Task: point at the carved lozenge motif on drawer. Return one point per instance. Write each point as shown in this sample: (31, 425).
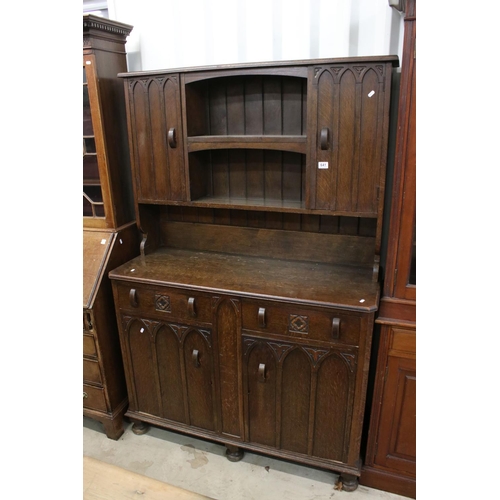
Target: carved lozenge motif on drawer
(308, 323)
(174, 303)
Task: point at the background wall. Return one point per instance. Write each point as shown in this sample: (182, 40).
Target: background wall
(173, 33)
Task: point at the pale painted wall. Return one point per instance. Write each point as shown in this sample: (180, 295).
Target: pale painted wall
(180, 33)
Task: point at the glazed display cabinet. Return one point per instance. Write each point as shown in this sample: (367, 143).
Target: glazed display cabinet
(390, 462)
(109, 229)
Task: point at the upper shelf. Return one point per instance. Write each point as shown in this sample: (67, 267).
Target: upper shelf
(293, 143)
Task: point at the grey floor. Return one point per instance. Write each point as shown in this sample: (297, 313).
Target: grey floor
(200, 466)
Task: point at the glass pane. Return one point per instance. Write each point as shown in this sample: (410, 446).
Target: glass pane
(88, 145)
(87, 118)
(92, 201)
(84, 75)
(413, 264)
(90, 169)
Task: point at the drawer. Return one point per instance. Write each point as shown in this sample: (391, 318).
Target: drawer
(93, 397)
(91, 371)
(89, 348)
(174, 303)
(301, 322)
(403, 342)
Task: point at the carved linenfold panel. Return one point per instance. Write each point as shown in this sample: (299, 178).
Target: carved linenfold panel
(162, 303)
(315, 354)
(298, 324)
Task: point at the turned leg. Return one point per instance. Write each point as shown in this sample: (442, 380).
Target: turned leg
(139, 427)
(113, 428)
(233, 453)
(349, 482)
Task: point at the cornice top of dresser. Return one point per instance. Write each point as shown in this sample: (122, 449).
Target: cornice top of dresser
(267, 64)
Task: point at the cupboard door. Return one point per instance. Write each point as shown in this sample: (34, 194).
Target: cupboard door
(299, 398)
(396, 448)
(155, 127)
(350, 109)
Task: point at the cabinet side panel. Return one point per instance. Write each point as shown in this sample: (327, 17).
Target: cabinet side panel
(229, 369)
(169, 374)
(332, 395)
(295, 400)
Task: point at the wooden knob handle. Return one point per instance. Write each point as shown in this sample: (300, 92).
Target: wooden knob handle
(172, 139)
(336, 328)
(262, 372)
(262, 317)
(191, 307)
(196, 358)
(133, 298)
(324, 138)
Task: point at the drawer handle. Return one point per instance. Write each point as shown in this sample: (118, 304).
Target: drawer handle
(262, 317)
(133, 297)
(196, 358)
(262, 372)
(336, 328)
(172, 138)
(85, 395)
(191, 307)
(324, 138)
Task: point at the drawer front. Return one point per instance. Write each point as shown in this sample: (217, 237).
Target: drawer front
(89, 348)
(164, 300)
(93, 398)
(91, 372)
(328, 325)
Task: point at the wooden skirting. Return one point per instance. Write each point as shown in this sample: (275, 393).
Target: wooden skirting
(102, 481)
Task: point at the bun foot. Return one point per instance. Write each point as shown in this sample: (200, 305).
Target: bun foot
(349, 482)
(233, 453)
(140, 428)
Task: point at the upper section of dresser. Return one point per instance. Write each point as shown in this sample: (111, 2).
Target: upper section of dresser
(299, 138)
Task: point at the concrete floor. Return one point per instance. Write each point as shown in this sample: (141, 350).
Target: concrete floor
(200, 466)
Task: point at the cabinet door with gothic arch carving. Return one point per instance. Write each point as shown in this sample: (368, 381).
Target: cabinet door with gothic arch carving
(299, 398)
(349, 144)
(170, 372)
(156, 138)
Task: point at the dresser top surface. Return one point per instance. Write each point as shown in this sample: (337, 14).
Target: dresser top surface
(293, 281)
